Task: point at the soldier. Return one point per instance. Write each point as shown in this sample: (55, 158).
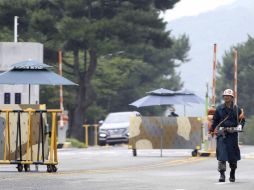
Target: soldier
(228, 120)
(172, 112)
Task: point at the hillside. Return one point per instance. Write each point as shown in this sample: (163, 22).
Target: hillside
(226, 26)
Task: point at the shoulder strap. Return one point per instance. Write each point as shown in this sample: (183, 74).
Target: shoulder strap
(237, 114)
(222, 121)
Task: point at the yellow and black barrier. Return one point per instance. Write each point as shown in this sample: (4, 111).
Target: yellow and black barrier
(31, 138)
(95, 133)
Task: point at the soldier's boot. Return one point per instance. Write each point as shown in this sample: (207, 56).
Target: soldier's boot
(222, 169)
(222, 176)
(233, 166)
(232, 175)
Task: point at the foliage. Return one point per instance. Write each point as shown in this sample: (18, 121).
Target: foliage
(245, 74)
(247, 136)
(142, 54)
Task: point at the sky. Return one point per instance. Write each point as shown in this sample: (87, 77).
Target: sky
(186, 8)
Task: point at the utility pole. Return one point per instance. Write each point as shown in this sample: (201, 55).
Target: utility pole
(16, 29)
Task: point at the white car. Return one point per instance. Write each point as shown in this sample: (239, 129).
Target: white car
(115, 128)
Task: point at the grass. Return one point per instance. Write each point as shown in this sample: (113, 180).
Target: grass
(76, 143)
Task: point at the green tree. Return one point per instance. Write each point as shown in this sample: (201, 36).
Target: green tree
(245, 73)
(86, 31)
(120, 80)
(247, 136)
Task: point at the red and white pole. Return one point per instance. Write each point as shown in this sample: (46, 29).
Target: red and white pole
(61, 87)
(214, 73)
(235, 75)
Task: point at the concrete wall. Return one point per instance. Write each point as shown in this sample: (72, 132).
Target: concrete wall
(10, 53)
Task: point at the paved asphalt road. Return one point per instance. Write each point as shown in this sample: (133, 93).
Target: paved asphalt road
(114, 168)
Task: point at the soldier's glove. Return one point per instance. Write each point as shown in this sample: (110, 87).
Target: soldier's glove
(210, 133)
(239, 127)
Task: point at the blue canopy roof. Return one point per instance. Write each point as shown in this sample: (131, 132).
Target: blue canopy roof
(33, 73)
(167, 97)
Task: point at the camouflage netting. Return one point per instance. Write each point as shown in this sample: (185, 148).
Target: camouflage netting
(176, 132)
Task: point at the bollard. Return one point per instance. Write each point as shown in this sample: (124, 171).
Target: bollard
(96, 134)
(86, 134)
(95, 126)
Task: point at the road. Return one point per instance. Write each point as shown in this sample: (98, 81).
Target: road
(111, 168)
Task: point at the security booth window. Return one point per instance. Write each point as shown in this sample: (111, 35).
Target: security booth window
(17, 98)
(7, 98)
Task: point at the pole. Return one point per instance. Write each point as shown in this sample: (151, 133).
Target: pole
(204, 128)
(235, 75)
(61, 88)
(161, 143)
(95, 134)
(235, 84)
(29, 92)
(206, 100)
(86, 135)
(16, 28)
(214, 73)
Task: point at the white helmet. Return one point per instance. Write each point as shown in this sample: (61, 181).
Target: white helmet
(228, 92)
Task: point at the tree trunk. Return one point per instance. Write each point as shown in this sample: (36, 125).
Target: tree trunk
(77, 125)
(85, 95)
